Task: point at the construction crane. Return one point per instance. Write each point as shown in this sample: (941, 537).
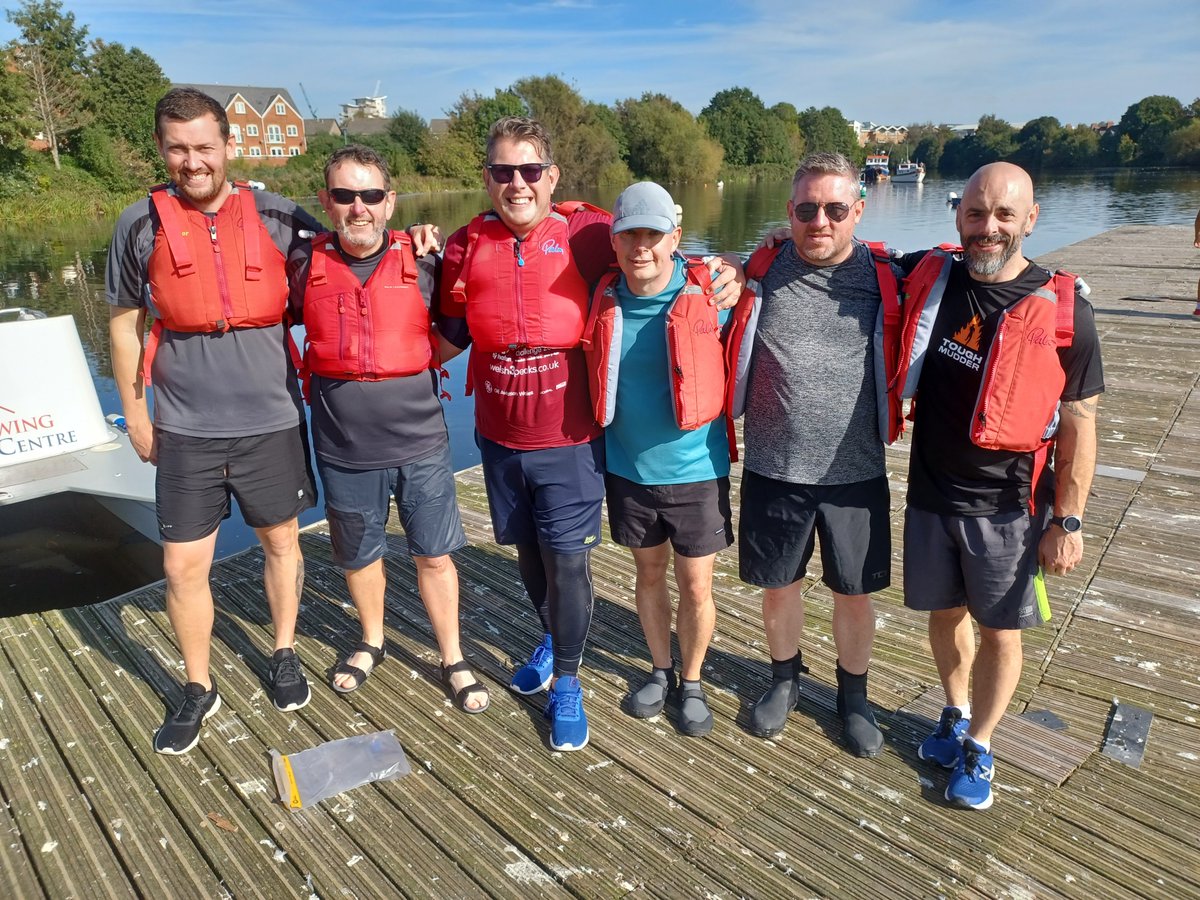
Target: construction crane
(311, 109)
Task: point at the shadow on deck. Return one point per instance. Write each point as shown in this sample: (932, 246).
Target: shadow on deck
(89, 809)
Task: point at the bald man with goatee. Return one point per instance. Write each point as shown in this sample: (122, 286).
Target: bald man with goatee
(987, 517)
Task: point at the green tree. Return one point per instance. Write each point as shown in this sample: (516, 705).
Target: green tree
(552, 102)
(733, 117)
(789, 118)
(15, 125)
(408, 130)
(1147, 124)
(826, 130)
(50, 51)
(1183, 145)
(607, 118)
(470, 120)
(1076, 147)
(666, 143)
(122, 88)
(1034, 142)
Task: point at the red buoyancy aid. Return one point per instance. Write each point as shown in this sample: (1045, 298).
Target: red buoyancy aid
(695, 355)
(365, 332)
(212, 273)
(745, 323)
(1017, 406)
(520, 298)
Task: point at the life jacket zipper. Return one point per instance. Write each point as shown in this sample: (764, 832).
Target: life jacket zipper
(519, 298)
(222, 283)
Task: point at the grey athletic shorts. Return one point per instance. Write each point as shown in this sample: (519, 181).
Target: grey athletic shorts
(780, 522)
(987, 563)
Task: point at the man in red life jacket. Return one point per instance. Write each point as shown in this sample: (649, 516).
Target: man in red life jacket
(377, 423)
(981, 526)
(207, 258)
(814, 462)
(656, 360)
(515, 282)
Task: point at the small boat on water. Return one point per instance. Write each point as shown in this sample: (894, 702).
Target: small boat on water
(876, 168)
(71, 484)
(909, 173)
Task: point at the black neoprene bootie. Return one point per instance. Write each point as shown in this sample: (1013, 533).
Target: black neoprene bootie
(859, 731)
(770, 713)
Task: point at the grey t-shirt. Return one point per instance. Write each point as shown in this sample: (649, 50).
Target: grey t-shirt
(373, 424)
(810, 404)
(213, 384)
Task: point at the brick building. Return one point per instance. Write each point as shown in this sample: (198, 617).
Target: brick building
(264, 121)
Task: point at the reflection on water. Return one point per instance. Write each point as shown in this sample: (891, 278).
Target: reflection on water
(61, 269)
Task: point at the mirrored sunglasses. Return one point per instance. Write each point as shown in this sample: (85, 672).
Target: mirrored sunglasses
(835, 212)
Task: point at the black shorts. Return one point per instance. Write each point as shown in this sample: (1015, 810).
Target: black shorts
(695, 517)
(552, 497)
(356, 504)
(269, 474)
(780, 522)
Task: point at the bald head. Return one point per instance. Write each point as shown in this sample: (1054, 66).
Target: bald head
(996, 214)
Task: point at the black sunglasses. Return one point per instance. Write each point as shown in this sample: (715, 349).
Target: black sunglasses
(531, 173)
(345, 196)
(806, 212)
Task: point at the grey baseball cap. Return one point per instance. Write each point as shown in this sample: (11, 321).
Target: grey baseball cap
(644, 205)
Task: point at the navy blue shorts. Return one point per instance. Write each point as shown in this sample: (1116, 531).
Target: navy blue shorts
(780, 522)
(269, 474)
(357, 506)
(552, 497)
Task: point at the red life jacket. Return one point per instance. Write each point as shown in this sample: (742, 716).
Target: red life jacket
(745, 322)
(1017, 407)
(212, 273)
(365, 332)
(519, 298)
(695, 354)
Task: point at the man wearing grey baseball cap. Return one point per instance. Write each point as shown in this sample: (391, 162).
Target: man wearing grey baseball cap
(666, 452)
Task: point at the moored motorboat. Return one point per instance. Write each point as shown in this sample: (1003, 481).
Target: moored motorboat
(909, 173)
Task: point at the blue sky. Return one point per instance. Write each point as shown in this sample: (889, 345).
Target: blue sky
(933, 60)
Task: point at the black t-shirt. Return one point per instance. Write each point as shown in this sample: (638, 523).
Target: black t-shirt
(949, 474)
(373, 424)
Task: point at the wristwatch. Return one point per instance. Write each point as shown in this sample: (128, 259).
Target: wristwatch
(1069, 524)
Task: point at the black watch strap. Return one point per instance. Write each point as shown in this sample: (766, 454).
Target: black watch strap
(1069, 524)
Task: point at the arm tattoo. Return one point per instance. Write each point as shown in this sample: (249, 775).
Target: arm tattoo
(1081, 409)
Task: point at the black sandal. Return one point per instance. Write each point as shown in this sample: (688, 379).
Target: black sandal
(459, 698)
(378, 655)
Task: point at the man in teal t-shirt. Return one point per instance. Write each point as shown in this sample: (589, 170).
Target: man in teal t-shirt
(668, 488)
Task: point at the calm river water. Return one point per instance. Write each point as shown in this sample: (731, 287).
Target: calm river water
(61, 269)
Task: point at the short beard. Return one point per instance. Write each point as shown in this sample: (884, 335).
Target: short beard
(990, 264)
(359, 240)
(216, 185)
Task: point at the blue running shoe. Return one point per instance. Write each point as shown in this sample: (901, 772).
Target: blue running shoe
(942, 747)
(568, 721)
(971, 782)
(534, 677)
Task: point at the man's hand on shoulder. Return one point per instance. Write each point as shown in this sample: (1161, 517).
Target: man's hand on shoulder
(426, 238)
(728, 280)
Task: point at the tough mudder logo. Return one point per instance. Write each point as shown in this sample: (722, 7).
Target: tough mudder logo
(963, 347)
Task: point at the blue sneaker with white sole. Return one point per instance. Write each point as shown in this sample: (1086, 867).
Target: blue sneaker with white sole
(943, 746)
(568, 721)
(971, 781)
(534, 677)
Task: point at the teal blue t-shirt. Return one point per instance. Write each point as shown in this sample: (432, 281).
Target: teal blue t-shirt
(643, 444)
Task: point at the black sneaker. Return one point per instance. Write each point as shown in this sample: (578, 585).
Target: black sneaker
(180, 731)
(288, 685)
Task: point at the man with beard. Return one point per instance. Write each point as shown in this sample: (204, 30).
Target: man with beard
(207, 259)
(984, 522)
(377, 424)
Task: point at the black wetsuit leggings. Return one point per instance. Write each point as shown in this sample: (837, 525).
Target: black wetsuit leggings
(560, 586)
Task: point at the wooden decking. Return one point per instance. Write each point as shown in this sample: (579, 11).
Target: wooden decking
(87, 809)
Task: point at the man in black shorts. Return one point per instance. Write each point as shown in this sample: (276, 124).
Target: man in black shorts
(667, 486)
(814, 461)
(984, 522)
(207, 258)
(378, 428)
